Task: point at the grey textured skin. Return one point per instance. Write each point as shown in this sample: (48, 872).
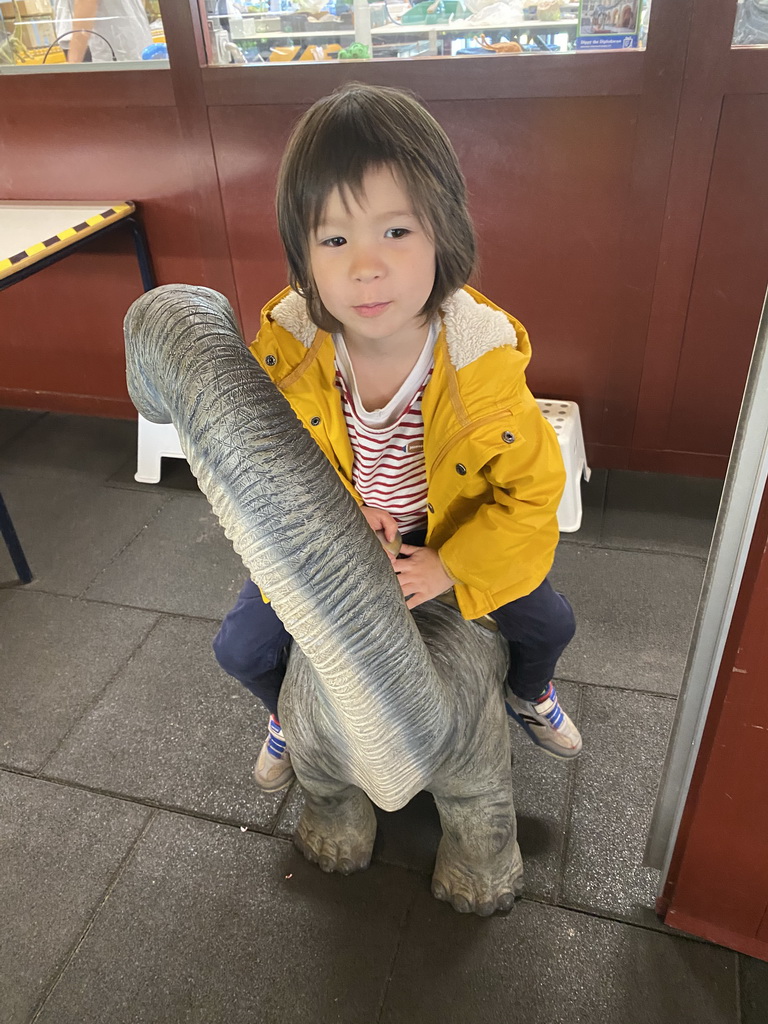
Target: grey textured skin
(378, 703)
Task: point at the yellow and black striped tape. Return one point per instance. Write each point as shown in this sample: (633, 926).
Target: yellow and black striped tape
(39, 250)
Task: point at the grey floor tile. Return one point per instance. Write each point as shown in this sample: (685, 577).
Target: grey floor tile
(625, 737)
(14, 421)
(592, 501)
(61, 849)
(660, 512)
(71, 528)
(754, 990)
(180, 563)
(544, 965)
(211, 925)
(60, 444)
(542, 791)
(174, 730)
(56, 655)
(634, 614)
(409, 838)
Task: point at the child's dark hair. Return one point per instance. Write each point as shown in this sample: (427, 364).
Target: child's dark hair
(340, 138)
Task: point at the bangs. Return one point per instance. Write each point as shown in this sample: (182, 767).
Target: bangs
(346, 142)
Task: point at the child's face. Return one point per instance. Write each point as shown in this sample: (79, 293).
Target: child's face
(374, 263)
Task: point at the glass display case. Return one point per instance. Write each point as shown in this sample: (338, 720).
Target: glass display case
(262, 31)
(65, 32)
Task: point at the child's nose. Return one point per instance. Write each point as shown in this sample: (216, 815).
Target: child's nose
(367, 265)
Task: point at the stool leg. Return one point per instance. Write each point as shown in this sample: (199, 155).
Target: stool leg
(15, 550)
(148, 458)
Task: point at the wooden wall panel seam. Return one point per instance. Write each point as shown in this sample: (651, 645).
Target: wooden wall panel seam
(696, 131)
(481, 78)
(644, 218)
(183, 32)
(149, 87)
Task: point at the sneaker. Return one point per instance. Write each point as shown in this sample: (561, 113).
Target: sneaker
(546, 723)
(273, 769)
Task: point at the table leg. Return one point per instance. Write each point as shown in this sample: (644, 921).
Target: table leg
(15, 550)
(142, 253)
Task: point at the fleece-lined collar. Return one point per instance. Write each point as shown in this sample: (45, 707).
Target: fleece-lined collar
(471, 327)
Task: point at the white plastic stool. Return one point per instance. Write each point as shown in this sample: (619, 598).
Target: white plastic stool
(156, 441)
(564, 417)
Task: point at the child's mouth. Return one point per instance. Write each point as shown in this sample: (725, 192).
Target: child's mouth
(372, 309)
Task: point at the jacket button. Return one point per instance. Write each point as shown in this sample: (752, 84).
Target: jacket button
(429, 508)
(315, 421)
(270, 360)
(508, 437)
(461, 469)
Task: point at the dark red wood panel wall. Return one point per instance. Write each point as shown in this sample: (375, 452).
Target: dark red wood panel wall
(612, 195)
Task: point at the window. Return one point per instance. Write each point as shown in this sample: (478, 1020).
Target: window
(59, 32)
(751, 25)
(262, 31)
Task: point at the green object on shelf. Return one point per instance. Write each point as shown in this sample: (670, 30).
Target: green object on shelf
(431, 12)
(355, 51)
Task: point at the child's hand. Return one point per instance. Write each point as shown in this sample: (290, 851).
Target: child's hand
(379, 520)
(421, 575)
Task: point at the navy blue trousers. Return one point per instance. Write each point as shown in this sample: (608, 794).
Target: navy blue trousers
(252, 644)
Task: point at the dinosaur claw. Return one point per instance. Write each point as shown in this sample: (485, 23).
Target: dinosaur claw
(438, 891)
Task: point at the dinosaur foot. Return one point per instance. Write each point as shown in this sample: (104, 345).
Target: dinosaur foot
(339, 853)
(479, 890)
(337, 833)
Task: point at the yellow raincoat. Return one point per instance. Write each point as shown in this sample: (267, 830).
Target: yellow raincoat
(494, 470)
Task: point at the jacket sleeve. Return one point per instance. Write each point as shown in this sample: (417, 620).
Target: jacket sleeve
(513, 534)
(350, 487)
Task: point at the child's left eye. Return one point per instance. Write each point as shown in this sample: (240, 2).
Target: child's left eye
(397, 233)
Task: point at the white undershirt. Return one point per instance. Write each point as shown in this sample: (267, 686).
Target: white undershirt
(394, 408)
(388, 443)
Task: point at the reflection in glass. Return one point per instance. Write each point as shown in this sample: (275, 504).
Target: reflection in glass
(80, 31)
(751, 26)
(263, 31)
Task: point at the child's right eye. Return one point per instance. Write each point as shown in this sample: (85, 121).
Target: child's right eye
(333, 243)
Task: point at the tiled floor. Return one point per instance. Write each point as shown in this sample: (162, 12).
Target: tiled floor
(143, 878)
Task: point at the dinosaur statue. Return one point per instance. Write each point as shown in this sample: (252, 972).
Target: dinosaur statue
(378, 702)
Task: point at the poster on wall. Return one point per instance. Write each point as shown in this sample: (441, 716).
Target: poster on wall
(608, 24)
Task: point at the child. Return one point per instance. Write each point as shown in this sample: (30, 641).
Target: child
(413, 386)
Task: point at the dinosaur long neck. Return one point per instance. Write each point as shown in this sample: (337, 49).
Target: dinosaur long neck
(299, 533)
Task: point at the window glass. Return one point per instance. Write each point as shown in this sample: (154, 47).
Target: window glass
(261, 31)
(751, 26)
(58, 32)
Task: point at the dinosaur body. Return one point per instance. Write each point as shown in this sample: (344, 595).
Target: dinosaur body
(378, 703)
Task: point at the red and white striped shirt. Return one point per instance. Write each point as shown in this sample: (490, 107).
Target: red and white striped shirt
(388, 470)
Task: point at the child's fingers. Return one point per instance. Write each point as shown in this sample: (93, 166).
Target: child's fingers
(391, 530)
(408, 549)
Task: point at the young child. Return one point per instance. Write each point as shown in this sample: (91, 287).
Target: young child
(413, 386)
